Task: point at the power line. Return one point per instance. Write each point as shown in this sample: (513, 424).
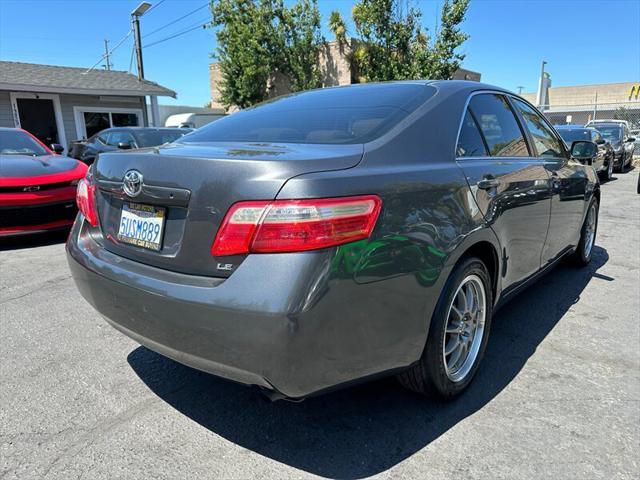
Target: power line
(133, 50)
(176, 20)
(109, 52)
(155, 6)
(177, 34)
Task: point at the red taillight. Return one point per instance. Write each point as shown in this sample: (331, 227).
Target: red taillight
(86, 200)
(295, 225)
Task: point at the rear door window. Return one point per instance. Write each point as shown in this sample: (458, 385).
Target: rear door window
(544, 140)
(470, 142)
(499, 126)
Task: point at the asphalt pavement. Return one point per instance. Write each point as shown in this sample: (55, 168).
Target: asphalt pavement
(557, 396)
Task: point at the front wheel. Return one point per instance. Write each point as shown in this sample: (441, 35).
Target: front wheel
(609, 171)
(623, 163)
(584, 251)
(458, 334)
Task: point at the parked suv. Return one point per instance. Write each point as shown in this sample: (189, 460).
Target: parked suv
(333, 235)
(621, 140)
(603, 161)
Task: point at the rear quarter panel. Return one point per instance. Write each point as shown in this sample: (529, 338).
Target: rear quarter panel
(392, 281)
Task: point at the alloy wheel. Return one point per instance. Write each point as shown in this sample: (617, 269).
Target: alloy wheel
(590, 230)
(465, 328)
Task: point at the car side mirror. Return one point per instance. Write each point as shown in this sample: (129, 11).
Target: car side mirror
(124, 145)
(57, 148)
(600, 142)
(631, 139)
(583, 150)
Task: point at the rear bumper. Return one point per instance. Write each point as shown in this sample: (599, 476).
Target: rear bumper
(283, 322)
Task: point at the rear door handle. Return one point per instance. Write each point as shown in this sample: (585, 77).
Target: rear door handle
(488, 183)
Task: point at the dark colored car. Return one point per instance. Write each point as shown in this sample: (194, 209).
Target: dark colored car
(37, 186)
(334, 235)
(124, 138)
(603, 161)
(621, 141)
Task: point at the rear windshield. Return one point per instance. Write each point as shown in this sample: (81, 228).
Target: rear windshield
(15, 142)
(152, 138)
(330, 116)
(570, 136)
(610, 132)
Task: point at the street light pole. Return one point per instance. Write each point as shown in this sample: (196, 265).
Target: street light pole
(135, 24)
(540, 96)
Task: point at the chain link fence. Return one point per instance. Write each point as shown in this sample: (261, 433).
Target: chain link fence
(581, 114)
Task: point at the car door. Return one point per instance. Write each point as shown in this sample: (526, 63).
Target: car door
(568, 182)
(627, 145)
(509, 184)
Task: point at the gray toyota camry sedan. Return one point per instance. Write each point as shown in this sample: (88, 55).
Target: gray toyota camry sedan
(335, 235)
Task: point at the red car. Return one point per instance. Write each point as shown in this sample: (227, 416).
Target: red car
(37, 186)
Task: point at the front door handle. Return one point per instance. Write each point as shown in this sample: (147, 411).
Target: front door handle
(488, 183)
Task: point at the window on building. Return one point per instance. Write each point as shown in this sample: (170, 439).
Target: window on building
(96, 121)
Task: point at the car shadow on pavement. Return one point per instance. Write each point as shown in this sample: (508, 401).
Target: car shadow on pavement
(33, 240)
(365, 430)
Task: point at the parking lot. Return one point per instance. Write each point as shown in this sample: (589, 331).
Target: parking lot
(557, 395)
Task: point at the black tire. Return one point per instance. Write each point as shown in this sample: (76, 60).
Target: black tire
(581, 257)
(608, 172)
(428, 376)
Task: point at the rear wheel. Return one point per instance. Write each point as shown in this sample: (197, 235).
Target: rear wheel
(584, 251)
(458, 334)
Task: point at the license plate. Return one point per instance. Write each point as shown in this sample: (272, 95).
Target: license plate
(141, 225)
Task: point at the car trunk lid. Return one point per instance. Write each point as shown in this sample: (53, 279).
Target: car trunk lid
(195, 184)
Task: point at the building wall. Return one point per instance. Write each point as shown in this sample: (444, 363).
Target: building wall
(586, 94)
(6, 117)
(67, 102)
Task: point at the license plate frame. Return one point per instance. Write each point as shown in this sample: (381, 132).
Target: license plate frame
(132, 213)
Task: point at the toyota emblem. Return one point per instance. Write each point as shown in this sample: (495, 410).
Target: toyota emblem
(132, 183)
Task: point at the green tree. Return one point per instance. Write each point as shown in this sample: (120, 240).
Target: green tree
(301, 24)
(390, 43)
(257, 38)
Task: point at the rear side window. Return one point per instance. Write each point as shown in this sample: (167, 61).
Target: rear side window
(120, 137)
(344, 115)
(470, 143)
(498, 125)
(544, 140)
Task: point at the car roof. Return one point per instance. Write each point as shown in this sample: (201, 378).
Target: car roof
(608, 124)
(139, 129)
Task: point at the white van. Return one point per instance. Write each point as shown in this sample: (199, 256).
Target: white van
(191, 120)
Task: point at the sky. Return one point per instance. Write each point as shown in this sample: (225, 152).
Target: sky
(583, 41)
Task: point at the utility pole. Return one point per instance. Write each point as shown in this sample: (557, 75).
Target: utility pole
(106, 54)
(135, 24)
(519, 87)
